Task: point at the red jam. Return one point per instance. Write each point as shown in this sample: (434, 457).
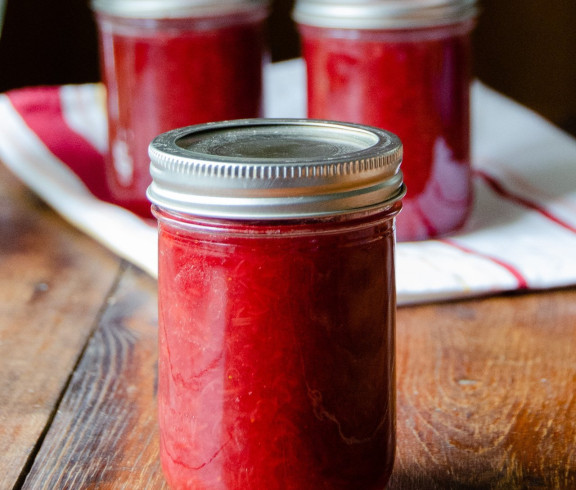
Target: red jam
(167, 73)
(414, 83)
(276, 367)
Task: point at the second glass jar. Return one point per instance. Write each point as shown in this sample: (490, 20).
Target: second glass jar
(171, 63)
(404, 66)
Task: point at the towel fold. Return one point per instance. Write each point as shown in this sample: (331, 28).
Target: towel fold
(521, 234)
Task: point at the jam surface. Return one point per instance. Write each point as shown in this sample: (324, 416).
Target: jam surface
(165, 74)
(415, 84)
(276, 345)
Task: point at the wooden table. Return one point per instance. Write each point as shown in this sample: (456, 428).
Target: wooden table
(486, 388)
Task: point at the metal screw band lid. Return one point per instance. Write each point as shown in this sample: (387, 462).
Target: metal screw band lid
(275, 169)
(382, 14)
(145, 9)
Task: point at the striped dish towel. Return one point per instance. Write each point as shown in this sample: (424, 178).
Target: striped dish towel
(521, 234)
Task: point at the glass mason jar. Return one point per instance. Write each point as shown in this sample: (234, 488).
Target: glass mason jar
(276, 303)
(404, 66)
(172, 63)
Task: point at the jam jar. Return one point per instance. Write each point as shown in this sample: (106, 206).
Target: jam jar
(276, 303)
(173, 63)
(404, 66)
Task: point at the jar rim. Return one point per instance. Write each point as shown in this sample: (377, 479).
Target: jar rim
(146, 9)
(383, 14)
(275, 168)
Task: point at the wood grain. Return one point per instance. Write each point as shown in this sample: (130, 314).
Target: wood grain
(487, 394)
(105, 434)
(53, 280)
(485, 397)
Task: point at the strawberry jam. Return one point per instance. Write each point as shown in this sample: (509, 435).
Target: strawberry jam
(413, 81)
(276, 304)
(276, 353)
(163, 73)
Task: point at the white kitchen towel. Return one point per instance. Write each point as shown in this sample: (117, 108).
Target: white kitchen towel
(521, 234)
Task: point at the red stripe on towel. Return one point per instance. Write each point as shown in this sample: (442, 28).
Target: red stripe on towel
(41, 110)
(520, 279)
(499, 189)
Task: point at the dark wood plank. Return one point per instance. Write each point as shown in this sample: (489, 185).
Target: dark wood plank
(53, 281)
(485, 397)
(105, 433)
(487, 394)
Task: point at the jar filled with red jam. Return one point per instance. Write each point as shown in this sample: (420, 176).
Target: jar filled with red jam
(404, 66)
(173, 63)
(276, 304)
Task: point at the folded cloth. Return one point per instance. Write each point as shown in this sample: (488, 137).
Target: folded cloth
(521, 234)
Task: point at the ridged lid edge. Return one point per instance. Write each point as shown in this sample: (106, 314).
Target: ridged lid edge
(383, 14)
(147, 9)
(248, 187)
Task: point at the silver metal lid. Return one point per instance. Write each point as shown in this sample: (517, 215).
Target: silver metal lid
(275, 168)
(144, 9)
(382, 14)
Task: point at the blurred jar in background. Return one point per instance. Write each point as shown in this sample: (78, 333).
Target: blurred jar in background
(173, 63)
(403, 66)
